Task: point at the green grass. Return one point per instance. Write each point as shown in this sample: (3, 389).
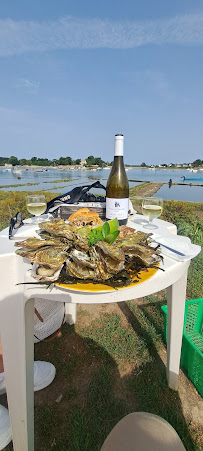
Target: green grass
(119, 342)
(17, 185)
(87, 414)
(13, 201)
(59, 181)
(111, 364)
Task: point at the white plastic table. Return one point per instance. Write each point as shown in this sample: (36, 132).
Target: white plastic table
(17, 323)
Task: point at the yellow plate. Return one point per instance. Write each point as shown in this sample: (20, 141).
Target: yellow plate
(92, 287)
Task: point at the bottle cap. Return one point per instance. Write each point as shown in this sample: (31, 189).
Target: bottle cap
(118, 145)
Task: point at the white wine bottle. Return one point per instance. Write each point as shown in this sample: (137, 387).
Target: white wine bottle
(117, 188)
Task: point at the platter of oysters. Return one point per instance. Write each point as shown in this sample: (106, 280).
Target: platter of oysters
(88, 254)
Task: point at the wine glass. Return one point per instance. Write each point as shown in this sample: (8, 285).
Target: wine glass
(152, 208)
(36, 205)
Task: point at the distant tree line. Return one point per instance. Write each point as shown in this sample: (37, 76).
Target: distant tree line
(197, 162)
(38, 161)
(68, 161)
(92, 161)
(62, 161)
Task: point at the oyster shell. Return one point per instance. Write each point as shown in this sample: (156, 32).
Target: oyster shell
(110, 250)
(136, 248)
(128, 255)
(58, 227)
(101, 271)
(31, 254)
(134, 238)
(81, 238)
(51, 257)
(75, 269)
(42, 273)
(125, 230)
(36, 243)
(112, 257)
(82, 258)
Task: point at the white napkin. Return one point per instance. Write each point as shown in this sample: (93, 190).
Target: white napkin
(27, 230)
(23, 232)
(178, 243)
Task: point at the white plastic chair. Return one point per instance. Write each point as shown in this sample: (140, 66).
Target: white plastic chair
(141, 431)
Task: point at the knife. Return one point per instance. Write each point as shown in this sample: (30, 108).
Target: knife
(170, 249)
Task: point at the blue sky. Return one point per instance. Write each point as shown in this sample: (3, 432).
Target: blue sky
(74, 73)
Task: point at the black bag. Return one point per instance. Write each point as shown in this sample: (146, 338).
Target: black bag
(65, 204)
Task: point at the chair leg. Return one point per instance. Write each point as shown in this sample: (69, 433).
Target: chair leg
(70, 313)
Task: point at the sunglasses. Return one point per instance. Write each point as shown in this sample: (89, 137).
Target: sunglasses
(15, 223)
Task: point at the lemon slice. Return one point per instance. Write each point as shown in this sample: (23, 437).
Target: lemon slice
(113, 224)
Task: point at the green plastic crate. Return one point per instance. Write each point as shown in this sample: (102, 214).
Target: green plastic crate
(192, 343)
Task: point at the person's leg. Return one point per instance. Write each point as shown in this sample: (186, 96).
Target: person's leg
(5, 430)
(1, 359)
(2, 384)
(44, 374)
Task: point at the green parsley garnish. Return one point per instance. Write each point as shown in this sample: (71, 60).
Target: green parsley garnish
(102, 235)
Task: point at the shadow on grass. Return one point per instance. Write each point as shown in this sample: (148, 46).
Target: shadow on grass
(149, 385)
(152, 311)
(88, 397)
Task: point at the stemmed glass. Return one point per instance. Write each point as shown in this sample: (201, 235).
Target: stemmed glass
(36, 205)
(152, 208)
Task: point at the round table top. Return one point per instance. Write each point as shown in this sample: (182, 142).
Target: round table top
(170, 271)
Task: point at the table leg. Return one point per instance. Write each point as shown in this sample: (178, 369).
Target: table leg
(18, 354)
(70, 313)
(176, 295)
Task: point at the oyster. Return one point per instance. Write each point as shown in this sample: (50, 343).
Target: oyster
(82, 258)
(43, 234)
(144, 259)
(125, 230)
(110, 250)
(58, 227)
(81, 238)
(50, 225)
(63, 251)
(112, 256)
(138, 237)
(47, 274)
(137, 249)
(51, 257)
(75, 269)
(36, 243)
(146, 256)
(101, 272)
(31, 254)
(104, 260)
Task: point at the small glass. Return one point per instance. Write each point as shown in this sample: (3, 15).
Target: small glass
(152, 208)
(36, 205)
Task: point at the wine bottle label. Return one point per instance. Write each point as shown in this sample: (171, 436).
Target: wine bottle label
(116, 208)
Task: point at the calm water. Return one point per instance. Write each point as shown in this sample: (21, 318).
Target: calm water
(43, 181)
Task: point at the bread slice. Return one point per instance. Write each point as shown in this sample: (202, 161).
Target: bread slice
(78, 213)
(84, 216)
